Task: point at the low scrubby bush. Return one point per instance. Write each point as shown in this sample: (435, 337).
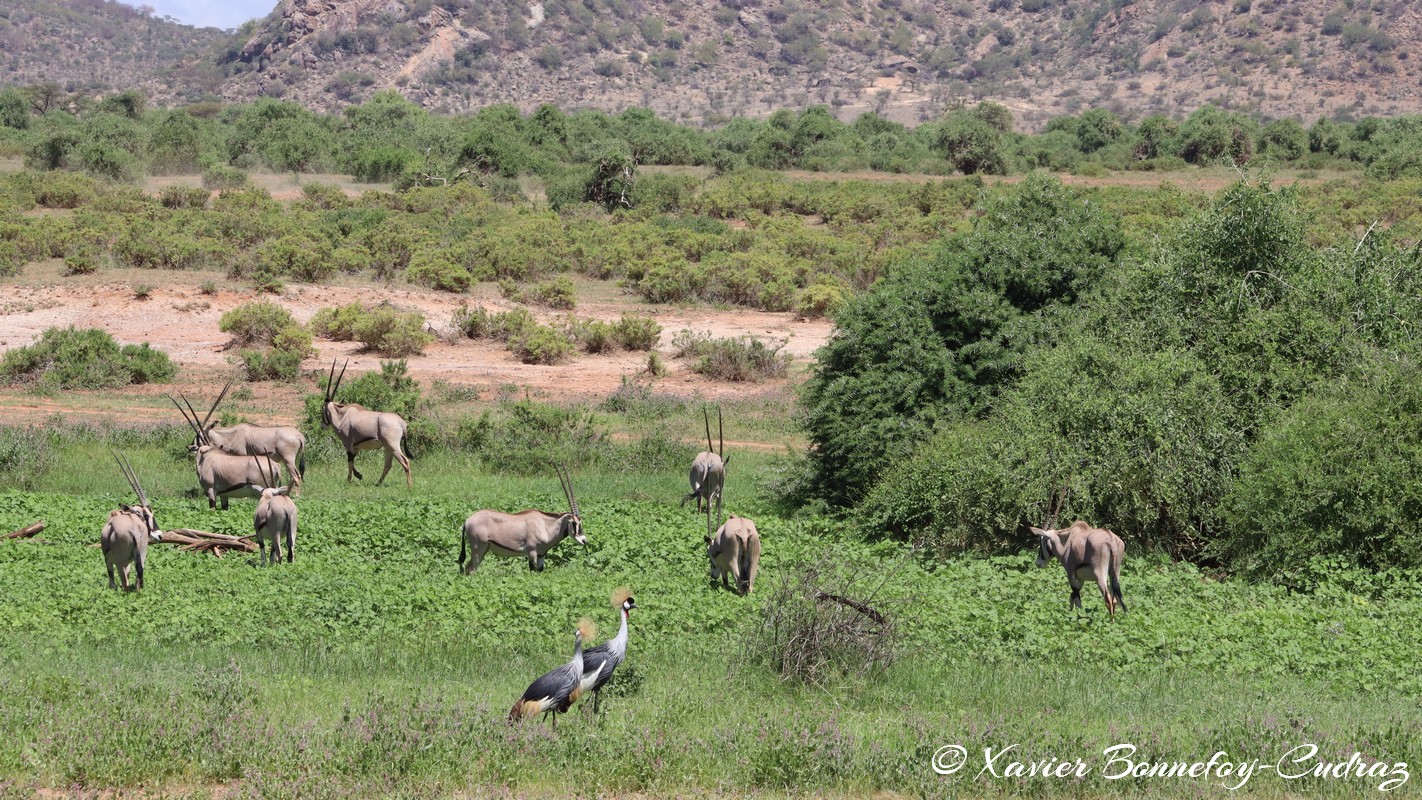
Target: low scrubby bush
(541, 344)
(633, 332)
(742, 358)
(436, 271)
(257, 322)
(390, 332)
(72, 358)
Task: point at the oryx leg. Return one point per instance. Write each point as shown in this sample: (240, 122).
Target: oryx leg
(276, 547)
(138, 573)
(1102, 572)
(1116, 583)
(262, 548)
(350, 466)
(212, 498)
(734, 553)
(112, 585)
(290, 462)
(476, 555)
(123, 576)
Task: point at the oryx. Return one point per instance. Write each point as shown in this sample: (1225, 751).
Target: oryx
(734, 550)
(223, 475)
(283, 442)
(359, 428)
(708, 469)
(1086, 552)
(274, 519)
(529, 533)
(124, 539)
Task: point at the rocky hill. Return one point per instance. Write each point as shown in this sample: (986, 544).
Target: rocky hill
(706, 60)
(102, 44)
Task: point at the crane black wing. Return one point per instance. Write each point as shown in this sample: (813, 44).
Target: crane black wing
(600, 660)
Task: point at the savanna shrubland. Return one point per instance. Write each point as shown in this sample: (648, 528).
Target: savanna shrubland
(1229, 395)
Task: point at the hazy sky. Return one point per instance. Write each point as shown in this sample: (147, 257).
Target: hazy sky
(216, 13)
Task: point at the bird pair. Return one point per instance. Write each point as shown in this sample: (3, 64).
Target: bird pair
(557, 691)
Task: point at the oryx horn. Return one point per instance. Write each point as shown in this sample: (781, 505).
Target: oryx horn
(215, 404)
(192, 423)
(333, 387)
(132, 478)
(706, 415)
(720, 433)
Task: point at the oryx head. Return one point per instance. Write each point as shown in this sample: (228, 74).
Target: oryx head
(333, 385)
(143, 510)
(200, 429)
(1049, 542)
(572, 522)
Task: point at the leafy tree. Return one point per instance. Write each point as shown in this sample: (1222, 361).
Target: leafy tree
(970, 143)
(935, 341)
(1284, 140)
(14, 108)
(613, 177)
(1211, 133)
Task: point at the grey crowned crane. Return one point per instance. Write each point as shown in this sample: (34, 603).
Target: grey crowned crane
(600, 661)
(555, 692)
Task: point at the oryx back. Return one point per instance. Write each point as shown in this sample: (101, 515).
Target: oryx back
(224, 476)
(734, 552)
(1086, 553)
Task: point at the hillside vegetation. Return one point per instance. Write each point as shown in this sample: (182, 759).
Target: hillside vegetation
(710, 60)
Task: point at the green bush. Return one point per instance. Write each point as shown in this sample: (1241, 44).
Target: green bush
(11, 259)
(83, 261)
(592, 335)
(934, 340)
(743, 358)
(337, 323)
(557, 293)
(271, 365)
(392, 333)
(634, 332)
(541, 344)
(220, 177)
(71, 358)
(178, 197)
(257, 322)
(299, 257)
(436, 271)
(1332, 478)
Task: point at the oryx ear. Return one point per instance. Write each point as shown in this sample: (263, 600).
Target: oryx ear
(725, 461)
(1037, 531)
(124, 507)
(283, 490)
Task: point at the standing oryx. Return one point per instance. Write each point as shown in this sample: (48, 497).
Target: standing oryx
(223, 475)
(734, 550)
(359, 428)
(274, 519)
(528, 533)
(243, 439)
(708, 469)
(1086, 552)
(124, 539)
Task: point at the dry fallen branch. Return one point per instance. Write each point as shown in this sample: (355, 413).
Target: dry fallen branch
(856, 605)
(193, 541)
(26, 532)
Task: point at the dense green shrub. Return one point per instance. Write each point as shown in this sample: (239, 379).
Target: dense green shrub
(392, 333)
(257, 322)
(220, 177)
(337, 323)
(71, 358)
(633, 332)
(542, 344)
(938, 339)
(178, 196)
(1332, 478)
(436, 271)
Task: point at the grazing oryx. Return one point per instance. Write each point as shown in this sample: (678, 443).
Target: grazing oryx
(530, 533)
(275, 518)
(223, 475)
(734, 550)
(125, 536)
(359, 428)
(1085, 552)
(708, 469)
(279, 441)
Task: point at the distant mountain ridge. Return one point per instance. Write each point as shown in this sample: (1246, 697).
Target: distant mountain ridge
(708, 60)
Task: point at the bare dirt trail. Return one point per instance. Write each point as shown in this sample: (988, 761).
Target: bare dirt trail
(180, 319)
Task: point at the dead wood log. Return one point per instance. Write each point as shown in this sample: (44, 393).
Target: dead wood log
(854, 604)
(26, 532)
